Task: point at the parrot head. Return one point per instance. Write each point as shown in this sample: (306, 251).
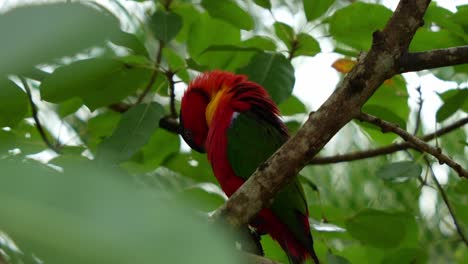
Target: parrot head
(203, 97)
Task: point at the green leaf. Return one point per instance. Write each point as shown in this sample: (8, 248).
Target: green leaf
(160, 147)
(335, 259)
(189, 15)
(85, 206)
(444, 19)
(399, 170)
(454, 100)
(424, 40)
(135, 128)
(69, 107)
(13, 103)
(350, 26)
(99, 82)
(316, 8)
(206, 32)
(406, 255)
(176, 64)
(272, 71)
(285, 33)
(165, 25)
(292, 106)
(100, 127)
(379, 228)
(129, 41)
(202, 199)
(389, 102)
(48, 31)
(192, 165)
(263, 3)
(306, 45)
(261, 42)
(230, 12)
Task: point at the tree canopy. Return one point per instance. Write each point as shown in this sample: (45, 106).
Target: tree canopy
(93, 169)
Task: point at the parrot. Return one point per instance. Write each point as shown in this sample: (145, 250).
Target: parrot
(238, 125)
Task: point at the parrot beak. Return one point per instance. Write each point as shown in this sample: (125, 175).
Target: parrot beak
(188, 138)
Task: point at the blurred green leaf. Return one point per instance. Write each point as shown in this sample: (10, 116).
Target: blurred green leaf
(85, 207)
(274, 72)
(165, 25)
(160, 147)
(389, 102)
(336, 259)
(406, 256)
(263, 3)
(349, 26)
(100, 127)
(129, 41)
(98, 81)
(192, 165)
(292, 106)
(13, 103)
(176, 64)
(69, 106)
(285, 33)
(201, 199)
(56, 30)
(378, 228)
(454, 100)
(316, 8)
(135, 128)
(306, 45)
(399, 170)
(229, 11)
(189, 15)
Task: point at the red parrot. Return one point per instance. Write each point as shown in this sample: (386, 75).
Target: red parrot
(236, 122)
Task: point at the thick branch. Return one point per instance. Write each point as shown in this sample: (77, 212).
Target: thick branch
(379, 64)
(441, 190)
(416, 142)
(433, 59)
(39, 126)
(358, 155)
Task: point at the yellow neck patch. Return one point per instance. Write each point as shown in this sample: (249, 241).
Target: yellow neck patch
(213, 105)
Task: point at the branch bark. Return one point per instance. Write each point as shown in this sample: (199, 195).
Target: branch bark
(416, 142)
(358, 155)
(379, 64)
(418, 61)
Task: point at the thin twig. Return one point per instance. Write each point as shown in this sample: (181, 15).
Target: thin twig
(418, 114)
(39, 126)
(170, 79)
(359, 155)
(154, 74)
(416, 142)
(441, 190)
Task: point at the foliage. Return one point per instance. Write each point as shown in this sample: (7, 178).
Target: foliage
(123, 189)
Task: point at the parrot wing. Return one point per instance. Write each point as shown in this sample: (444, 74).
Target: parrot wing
(252, 139)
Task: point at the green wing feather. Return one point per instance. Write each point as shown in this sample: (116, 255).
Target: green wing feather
(251, 141)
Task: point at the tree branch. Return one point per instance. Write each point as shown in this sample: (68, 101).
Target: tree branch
(154, 74)
(416, 142)
(379, 64)
(39, 126)
(418, 61)
(358, 155)
(458, 227)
